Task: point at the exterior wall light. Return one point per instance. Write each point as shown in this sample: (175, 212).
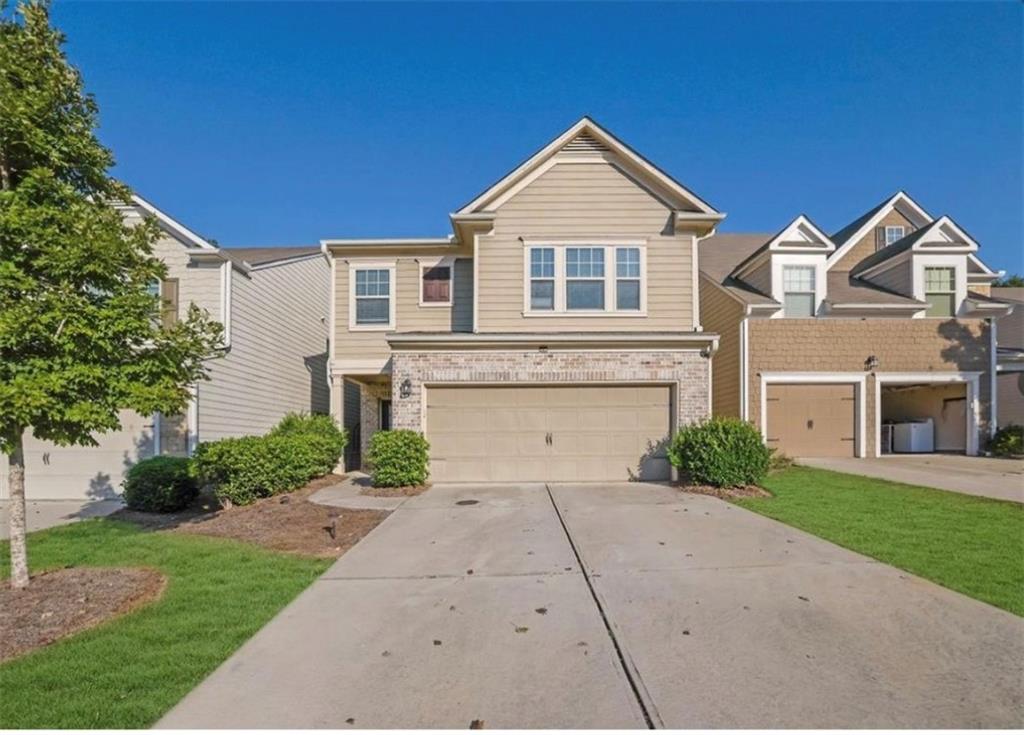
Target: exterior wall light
(405, 389)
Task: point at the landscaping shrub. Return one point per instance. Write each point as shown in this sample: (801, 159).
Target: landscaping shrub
(320, 426)
(398, 458)
(160, 485)
(723, 452)
(1008, 441)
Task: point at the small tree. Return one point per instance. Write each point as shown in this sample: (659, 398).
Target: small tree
(1011, 281)
(80, 337)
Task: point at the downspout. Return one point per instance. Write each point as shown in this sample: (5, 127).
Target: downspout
(695, 276)
(745, 365)
(993, 402)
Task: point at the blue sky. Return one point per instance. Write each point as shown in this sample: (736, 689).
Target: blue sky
(280, 124)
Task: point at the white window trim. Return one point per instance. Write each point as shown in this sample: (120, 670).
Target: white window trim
(859, 381)
(815, 260)
(446, 261)
(959, 265)
(354, 266)
(901, 228)
(813, 290)
(610, 278)
(970, 379)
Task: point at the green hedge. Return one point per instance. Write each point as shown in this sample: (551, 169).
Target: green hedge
(160, 485)
(399, 458)
(723, 452)
(296, 451)
(1008, 441)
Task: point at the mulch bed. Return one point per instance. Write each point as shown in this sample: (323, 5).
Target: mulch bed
(286, 522)
(59, 603)
(407, 491)
(747, 491)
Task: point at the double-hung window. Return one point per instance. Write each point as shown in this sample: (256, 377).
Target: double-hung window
(799, 297)
(584, 279)
(542, 279)
(627, 279)
(940, 291)
(372, 297)
(893, 233)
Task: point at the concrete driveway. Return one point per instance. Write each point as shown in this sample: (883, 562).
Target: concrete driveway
(470, 604)
(990, 477)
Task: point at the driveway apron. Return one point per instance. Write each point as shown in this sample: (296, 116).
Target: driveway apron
(465, 606)
(730, 619)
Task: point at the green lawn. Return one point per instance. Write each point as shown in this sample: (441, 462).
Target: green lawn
(969, 544)
(128, 672)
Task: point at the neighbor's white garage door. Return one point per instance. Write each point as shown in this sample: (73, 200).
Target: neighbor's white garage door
(548, 433)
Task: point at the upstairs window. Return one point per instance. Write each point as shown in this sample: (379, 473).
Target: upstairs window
(373, 297)
(627, 279)
(799, 297)
(542, 279)
(940, 291)
(894, 233)
(584, 279)
(436, 285)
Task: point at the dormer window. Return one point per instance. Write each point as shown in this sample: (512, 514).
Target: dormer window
(940, 291)
(799, 296)
(894, 233)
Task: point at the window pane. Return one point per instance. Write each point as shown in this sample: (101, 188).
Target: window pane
(940, 304)
(372, 282)
(542, 263)
(798, 278)
(627, 295)
(373, 311)
(584, 262)
(798, 304)
(584, 295)
(893, 233)
(627, 263)
(939, 279)
(542, 295)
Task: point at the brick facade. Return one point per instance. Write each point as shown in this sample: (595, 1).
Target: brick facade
(843, 345)
(687, 370)
(370, 396)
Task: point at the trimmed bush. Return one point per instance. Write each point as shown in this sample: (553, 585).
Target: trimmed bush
(160, 485)
(1008, 441)
(399, 458)
(723, 452)
(332, 437)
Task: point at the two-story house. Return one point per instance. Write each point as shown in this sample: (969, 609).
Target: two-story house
(556, 334)
(830, 342)
(272, 304)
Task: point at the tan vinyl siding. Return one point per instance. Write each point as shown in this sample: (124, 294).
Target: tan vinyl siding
(278, 357)
(198, 283)
(574, 201)
(356, 345)
(462, 299)
(898, 279)
(866, 245)
(1010, 394)
(722, 315)
(409, 315)
(843, 345)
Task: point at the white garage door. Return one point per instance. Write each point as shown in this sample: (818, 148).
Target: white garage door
(548, 433)
(84, 473)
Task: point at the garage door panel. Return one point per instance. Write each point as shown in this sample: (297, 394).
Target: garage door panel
(597, 433)
(812, 420)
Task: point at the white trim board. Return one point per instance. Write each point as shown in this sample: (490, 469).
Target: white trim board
(858, 379)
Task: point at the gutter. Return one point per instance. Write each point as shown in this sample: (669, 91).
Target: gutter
(601, 340)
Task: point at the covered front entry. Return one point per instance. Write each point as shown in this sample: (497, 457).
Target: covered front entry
(556, 433)
(812, 419)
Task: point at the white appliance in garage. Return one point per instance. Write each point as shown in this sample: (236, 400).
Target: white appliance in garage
(913, 436)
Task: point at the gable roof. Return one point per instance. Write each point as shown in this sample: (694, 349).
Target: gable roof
(850, 235)
(813, 240)
(254, 257)
(586, 135)
(173, 226)
(911, 242)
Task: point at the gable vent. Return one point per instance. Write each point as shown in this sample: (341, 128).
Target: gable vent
(585, 142)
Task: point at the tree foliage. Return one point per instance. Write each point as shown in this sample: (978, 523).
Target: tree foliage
(1011, 281)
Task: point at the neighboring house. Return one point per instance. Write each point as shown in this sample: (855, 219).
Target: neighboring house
(272, 303)
(555, 335)
(825, 340)
(1010, 357)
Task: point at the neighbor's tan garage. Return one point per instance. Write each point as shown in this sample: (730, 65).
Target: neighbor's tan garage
(812, 420)
(548, 433)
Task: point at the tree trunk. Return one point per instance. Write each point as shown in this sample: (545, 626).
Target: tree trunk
(19, 555)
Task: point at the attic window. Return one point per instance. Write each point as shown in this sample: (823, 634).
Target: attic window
(894, 233)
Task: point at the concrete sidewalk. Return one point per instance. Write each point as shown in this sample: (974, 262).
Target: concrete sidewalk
(40, 514)
(989, 477)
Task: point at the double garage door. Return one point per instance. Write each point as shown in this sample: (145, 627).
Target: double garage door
(812, 420)
(548, 433)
